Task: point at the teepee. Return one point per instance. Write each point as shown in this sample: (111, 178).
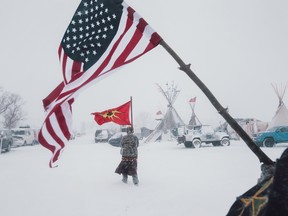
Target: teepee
(281, 116)
(171, 118)
(194, 119)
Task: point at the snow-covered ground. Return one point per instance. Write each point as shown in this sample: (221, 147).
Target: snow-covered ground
(174, 180)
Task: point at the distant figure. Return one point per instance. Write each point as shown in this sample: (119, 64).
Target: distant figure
(129, 152)
(249, 128)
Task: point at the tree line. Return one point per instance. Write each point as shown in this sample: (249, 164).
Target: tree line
(11, 109)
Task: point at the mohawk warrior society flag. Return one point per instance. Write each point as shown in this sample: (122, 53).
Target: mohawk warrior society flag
(102, 36)
(119, 115)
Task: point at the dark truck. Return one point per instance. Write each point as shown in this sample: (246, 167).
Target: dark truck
(6, 140)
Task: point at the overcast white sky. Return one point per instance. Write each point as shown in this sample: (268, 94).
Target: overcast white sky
(237, 48)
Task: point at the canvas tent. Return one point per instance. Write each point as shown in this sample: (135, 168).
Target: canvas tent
(171, 118)
(281, 116)
(249, 125)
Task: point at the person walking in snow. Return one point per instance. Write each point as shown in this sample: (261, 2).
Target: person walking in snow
(129, 152)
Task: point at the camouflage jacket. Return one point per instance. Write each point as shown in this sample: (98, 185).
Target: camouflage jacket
(129, 145)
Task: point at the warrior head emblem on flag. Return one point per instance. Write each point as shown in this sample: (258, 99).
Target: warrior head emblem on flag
(111, 114)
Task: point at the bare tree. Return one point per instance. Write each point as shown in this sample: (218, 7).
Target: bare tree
(4, 102)
(13, 112)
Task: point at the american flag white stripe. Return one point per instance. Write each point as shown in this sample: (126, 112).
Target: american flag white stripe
(67, 69)
(68, 65)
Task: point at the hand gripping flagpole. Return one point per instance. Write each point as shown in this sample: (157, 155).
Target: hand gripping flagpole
(222, 111)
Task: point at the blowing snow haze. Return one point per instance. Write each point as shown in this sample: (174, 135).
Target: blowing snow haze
(236, 48)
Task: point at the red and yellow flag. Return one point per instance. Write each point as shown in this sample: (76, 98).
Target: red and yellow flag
(118, 115)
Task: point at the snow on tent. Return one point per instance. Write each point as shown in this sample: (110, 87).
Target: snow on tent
(281, 116)
(171, 118)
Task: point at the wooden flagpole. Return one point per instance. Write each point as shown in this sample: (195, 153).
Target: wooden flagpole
(131, 113)
(222, 111)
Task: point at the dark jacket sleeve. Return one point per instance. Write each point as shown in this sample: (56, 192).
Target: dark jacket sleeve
(278, 196)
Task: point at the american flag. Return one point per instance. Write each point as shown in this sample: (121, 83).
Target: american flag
(102, 36)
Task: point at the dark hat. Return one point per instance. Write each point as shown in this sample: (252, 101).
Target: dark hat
(130, 130)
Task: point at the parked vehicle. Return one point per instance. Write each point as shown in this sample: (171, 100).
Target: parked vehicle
(6, 140)
(115, 140)
(204, 134)
(102, 135)
(23, 136)
(272, 136)
(182, 131)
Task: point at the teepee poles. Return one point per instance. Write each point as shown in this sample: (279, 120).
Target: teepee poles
(194, 118)
(280, 92)
(222, 111)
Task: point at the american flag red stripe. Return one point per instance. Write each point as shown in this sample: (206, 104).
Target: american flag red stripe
(134, 38)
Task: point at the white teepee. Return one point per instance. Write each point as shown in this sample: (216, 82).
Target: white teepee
(281, 116)
(194, 119)
(171, 118)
